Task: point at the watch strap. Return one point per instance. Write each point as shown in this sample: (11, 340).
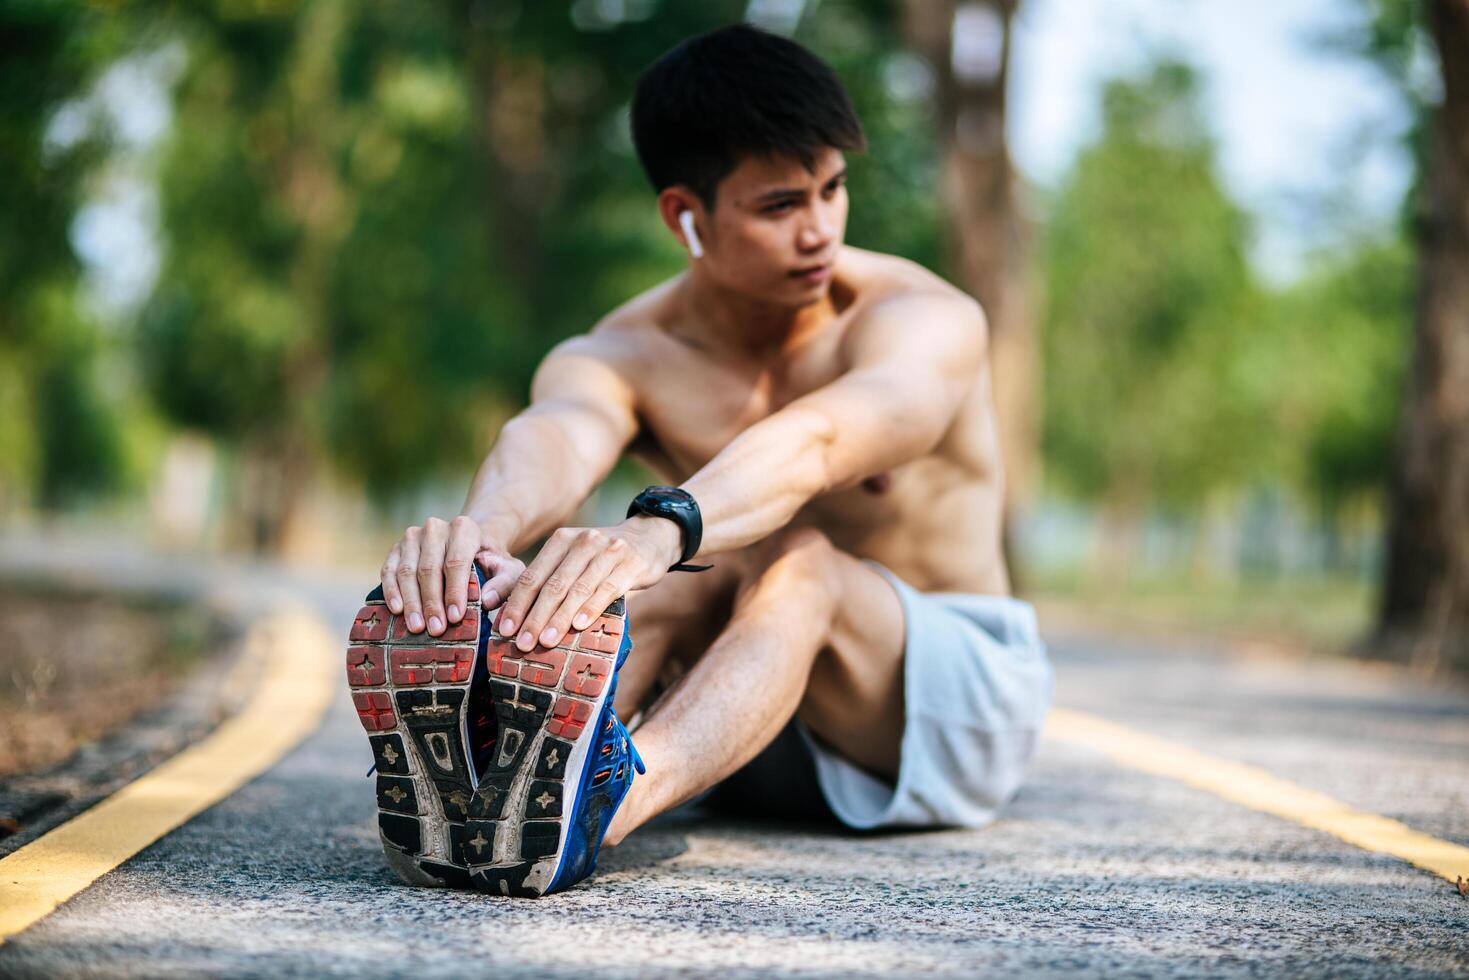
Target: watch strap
(685, 567)
(679, 506)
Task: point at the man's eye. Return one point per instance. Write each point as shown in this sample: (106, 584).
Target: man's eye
(776, 208)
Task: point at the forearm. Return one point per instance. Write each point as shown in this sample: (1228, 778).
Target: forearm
(761, 479)
(754, 486)
(531, 482)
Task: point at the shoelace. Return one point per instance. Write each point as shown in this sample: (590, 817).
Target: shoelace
(626, 740)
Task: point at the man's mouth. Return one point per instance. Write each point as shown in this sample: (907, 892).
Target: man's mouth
(811, 273)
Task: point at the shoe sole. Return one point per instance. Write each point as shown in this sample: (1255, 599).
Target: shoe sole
(441, 823)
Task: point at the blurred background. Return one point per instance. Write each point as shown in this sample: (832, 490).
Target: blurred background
(273, 272)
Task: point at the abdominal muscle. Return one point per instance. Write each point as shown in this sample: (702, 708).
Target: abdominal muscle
(936, 530)
(933, 525)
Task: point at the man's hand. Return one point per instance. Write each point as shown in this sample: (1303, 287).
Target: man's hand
(429, 568)
(581, 570)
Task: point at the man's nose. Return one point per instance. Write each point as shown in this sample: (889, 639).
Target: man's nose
(816, 233)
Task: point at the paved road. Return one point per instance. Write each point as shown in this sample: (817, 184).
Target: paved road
(1094, 869)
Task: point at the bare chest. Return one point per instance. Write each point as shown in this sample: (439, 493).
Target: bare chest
(693, 407)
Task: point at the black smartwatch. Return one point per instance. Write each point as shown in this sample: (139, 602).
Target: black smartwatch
(680, 508)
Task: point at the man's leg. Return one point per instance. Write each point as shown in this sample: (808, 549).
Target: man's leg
(812, 629)
(676, 619)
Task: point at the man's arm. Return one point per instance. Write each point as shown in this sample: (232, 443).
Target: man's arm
(910, 363)
(545, 462)
(550, 457)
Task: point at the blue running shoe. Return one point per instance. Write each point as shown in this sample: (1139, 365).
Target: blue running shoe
(496, 769)
(606, 776)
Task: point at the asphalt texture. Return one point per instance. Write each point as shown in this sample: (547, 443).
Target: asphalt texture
(1094, 869)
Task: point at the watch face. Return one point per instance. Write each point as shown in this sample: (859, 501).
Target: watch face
(675, 505)
(669, 497)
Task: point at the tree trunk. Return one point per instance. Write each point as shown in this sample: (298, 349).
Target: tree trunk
(1425, 600)
(968, 46)
(283, 461)
(510, 112)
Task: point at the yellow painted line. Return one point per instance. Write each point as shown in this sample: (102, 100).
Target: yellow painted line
(1259, 790)
(296, 686)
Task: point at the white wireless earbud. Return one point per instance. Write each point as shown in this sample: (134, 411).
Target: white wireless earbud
(686, 222)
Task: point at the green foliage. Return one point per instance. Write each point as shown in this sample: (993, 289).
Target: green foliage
(1394, 29)
(1395, 38)
(59, 437)
(78, 429)
(1343, 337)
(217, 353)
(18, 449)
(327, 275)
(1170, 373)
(43, 62)
(380, 217)
(1150, 308)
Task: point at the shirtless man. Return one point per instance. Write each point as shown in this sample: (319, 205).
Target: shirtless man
(826, 412)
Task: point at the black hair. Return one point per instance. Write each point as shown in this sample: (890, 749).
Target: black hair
(719, 97)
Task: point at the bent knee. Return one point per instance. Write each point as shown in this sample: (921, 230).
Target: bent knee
(808, 543)
(792, 556)
(791, 550)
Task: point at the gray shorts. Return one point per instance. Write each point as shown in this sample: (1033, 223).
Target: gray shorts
(976, 686)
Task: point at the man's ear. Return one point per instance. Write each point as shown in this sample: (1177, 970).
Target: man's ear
(672, 202)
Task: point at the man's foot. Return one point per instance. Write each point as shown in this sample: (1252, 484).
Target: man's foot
(496, 769)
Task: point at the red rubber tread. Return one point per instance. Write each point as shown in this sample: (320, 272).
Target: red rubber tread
(568, 717)
(365, 666)
(411, 666)
(375, 709)
(503, 659)
(603, 636)
(543, 667)
(587, 675)
(371, 623)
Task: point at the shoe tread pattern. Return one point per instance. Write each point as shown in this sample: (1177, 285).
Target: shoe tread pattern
(503, 834)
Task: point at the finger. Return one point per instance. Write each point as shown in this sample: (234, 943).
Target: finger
(592, 581)
(431, 572)
(528, 586)
(389, 576)
(558, 587)
(503, 571)
(408, 580)
(464, 536)
(613, 584)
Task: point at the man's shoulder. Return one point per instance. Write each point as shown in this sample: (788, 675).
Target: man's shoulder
(911, 316)
(898, 289)
(924, 316)
(623, 338)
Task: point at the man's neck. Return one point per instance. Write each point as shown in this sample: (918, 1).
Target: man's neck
(749, 327)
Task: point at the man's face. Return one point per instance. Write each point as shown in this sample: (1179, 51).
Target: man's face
(777, 227)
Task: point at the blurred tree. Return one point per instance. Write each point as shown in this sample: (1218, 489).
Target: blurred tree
(1425, 600)
(1151, 393)
(329, 290)
(1338, 345)
(380, 217)
(968, 44)
(891, 187)
(59, 436)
